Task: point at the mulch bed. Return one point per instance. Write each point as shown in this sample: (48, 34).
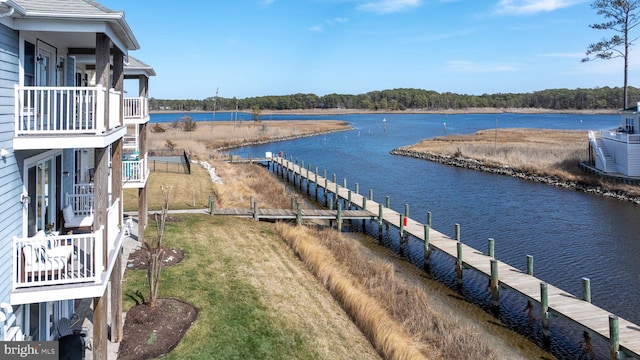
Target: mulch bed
(138, 259)
(151, 333)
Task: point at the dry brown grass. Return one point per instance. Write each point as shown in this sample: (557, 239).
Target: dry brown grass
(387, 336)
(540, 151)
(210, 136)
(439, 335)
(243, 181)
(546, 152)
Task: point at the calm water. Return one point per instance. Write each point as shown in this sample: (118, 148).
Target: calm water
(571, 235)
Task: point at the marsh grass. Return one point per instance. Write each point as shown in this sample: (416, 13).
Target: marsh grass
(380, 301)
(210, 136)
(540, 151)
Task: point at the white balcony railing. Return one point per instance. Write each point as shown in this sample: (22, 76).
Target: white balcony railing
(114, 109)
(114, 225)
(620, 136)
(81, 203)
(57, 259)
(135, 170)
(136, 108)
(44, 110)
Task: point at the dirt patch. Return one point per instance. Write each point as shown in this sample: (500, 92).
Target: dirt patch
(139, 258)
(151, 333)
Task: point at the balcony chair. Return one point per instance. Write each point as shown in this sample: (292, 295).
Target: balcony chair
(42, 259)
(76, 222)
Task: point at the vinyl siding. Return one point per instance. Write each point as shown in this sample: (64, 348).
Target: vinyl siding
(10, 178)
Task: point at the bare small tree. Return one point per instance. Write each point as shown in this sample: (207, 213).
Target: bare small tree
(155, 250)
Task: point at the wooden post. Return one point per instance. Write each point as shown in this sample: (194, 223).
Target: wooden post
(401, 247)
(255, 211)
(380, 220)
(459, 265)
(339, 217)
(316, 184)
(349, 200)
(387, 202)
(530, 265)
(337, 198)
(100, 327)
(429, 218)
(370, 194)
(299, 215)
(308, 182)
(427, 250)
(251, 202)
(324, 190)
(406, 210)
(494, 284)
(491, 244)
(614, 337)
(344, 183)
(116, 300)
(331, 205)
(293, 203)
(211, 205)
(357, 186)
(333, 178)
(586, 289)
(364, 207)
(544, 300)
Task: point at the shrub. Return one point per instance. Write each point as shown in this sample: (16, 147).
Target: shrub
(157, 128)
(188, 124)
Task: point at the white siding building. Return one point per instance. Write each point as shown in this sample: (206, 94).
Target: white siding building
(617, 151)
(65, 154)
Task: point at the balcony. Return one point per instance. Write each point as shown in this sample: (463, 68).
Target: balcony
(620, 136)
(54, 266)
(44, 115)
(136, 110)
(135, 171)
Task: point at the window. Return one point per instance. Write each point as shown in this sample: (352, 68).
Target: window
(29, 64)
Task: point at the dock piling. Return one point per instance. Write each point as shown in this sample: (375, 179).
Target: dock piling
(544, 300)
(586, 289)
(495, 290)
(491, 245)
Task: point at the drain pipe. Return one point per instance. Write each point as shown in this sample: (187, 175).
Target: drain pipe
(9, 12)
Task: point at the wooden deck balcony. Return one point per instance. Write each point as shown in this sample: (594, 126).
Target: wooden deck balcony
(51, 267)
(136, 110)
(55, 112)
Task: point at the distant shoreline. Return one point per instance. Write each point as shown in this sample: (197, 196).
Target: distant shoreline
(416, 111)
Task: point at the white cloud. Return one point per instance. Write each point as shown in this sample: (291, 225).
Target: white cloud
(315, 28)
(530, 7)
(389, 6)
(472, 67)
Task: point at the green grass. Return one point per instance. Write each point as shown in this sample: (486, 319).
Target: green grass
(233, 322)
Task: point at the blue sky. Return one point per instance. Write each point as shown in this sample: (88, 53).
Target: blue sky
(250, 48)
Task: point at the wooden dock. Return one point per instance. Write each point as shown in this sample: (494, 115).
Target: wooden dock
(623, 335)
(304, 214)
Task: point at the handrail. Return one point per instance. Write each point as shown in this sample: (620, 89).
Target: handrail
(62, 109)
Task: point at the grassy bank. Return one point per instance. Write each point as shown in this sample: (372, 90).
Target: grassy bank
(549, 153)
(257, 299)
(209, 136)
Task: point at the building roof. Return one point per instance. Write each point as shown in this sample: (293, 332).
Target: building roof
(66, 11)
(135, 66)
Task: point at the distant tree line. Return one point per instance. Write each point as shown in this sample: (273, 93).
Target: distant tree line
(403, 99)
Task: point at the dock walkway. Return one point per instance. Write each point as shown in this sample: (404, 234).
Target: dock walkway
(588, 316)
